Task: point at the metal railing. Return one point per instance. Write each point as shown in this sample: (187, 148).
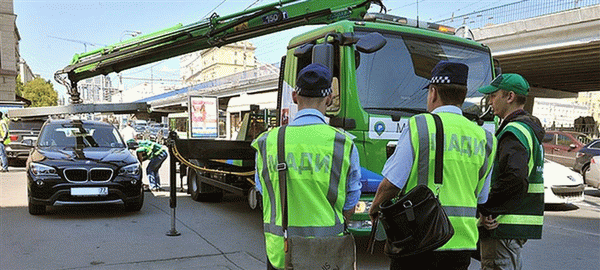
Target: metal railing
(521, 10)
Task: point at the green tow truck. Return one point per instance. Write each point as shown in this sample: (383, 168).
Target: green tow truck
(380, 65)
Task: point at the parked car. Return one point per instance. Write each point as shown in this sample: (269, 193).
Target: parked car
(592, 174)
(561, 184)
(562, 146)
(23, 133)
(151, 132)
(585, 154)
(79, 162)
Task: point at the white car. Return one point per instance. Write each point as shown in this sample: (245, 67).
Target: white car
(592, 174)
(561, 184)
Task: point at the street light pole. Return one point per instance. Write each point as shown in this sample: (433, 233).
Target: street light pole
(123, 34)
(129, 33)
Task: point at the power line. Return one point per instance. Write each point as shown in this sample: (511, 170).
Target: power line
(255, 2)
(85, 43)
(207, 14)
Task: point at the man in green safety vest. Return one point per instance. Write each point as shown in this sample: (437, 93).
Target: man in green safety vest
(323, 169)
(469, 153)
(4, 140)
(514, 211)
(156, 153)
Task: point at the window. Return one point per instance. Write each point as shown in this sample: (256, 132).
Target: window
(595, 145)
(548, 138)
(563, 140)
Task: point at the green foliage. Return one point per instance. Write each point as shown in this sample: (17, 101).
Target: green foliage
(40, 92)
(19, 88)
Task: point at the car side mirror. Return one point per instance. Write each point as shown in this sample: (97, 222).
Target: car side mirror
(572, 146)
(132, 145)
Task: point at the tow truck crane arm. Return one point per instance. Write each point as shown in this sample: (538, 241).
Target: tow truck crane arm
(215, 31)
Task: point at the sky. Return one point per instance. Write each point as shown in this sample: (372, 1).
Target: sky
(52, 31)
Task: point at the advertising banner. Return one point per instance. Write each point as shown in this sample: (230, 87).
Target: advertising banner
(203, 117)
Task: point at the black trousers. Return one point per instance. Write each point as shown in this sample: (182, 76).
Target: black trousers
(443, 260)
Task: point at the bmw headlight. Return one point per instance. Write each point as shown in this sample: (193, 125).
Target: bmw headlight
(132, 169)
(42, 170)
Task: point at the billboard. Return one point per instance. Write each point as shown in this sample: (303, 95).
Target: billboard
(203, 117)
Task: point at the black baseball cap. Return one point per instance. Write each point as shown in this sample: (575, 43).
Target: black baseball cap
(446, 72)
(314, 80)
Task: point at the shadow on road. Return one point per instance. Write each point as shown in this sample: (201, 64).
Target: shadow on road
(592, 192)
(560, 207)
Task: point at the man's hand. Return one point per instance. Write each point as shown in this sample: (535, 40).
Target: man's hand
(489, 222)
(373, 214)
(348, 214)
(385, 191)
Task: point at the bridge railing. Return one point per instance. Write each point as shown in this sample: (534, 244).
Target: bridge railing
(515, 11)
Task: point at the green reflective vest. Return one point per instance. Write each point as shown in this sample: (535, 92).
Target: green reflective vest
(149, 149)
(469, 153)
(318, 162)
(526, 220)
(4, 138)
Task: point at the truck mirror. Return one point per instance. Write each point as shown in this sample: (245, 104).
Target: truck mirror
(371, 43)
(323, 54)
(497, 67)
(303, 50)
(342, 122)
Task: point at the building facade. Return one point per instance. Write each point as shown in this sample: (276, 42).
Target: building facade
(592, 100)
(98, 89)
(9, 50)
(559, 113)
(209, 64)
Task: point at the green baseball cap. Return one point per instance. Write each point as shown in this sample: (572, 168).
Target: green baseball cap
(507, 82)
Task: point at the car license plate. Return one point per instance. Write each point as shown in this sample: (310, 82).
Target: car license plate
(89, 191)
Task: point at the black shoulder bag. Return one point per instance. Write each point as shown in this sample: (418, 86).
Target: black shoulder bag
(308, 253)
(415, 222)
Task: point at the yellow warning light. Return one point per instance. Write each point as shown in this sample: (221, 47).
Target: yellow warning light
(446, 29)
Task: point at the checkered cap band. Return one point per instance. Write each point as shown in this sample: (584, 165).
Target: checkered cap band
(314, 93)
(440, 79)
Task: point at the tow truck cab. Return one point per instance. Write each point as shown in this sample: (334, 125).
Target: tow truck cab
(379, 71)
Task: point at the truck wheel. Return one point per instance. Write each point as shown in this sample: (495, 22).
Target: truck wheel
(254, 199)
(200, 191)
(36, 209)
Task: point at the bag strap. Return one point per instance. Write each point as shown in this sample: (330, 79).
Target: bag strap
(439, 150)
(282, 168)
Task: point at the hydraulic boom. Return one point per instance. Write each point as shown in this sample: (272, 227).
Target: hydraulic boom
(215, 31)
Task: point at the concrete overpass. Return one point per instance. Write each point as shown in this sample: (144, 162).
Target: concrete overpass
(559, 54)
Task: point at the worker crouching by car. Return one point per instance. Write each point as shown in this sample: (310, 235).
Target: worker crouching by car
(156, 153)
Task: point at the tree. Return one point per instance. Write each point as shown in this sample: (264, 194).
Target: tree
(40, 92)
(19, 87)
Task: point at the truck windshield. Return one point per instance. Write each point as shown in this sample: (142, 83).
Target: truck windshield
(393, 77)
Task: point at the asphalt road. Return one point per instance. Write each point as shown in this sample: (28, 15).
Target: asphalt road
(226, 235)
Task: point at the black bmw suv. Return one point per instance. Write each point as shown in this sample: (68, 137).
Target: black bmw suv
(79, 162)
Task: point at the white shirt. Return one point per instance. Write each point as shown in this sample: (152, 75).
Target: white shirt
(128, 133)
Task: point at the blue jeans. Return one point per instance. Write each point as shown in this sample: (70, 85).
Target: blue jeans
(3, 159)
(152, 169)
